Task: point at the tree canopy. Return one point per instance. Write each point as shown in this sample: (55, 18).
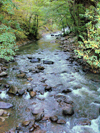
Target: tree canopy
(21, 19)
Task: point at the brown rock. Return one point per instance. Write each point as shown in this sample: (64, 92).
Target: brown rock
(25, 123)
(61, 121)
(13, 90)
(32, 94)
(40, 67)
(53, 118)
(22, 75)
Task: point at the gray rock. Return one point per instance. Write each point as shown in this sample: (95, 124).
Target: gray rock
(36, 111)
(48, 62)
(68, 110)
(35, 60)
(4, 105)
(21, 92)
(29, 89)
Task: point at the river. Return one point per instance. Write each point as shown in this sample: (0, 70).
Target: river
(63, 79)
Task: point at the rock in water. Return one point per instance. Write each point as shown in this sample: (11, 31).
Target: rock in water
(35, 60)
(4, 105)
(13, 90)
(48, 62)
(3, 74)
(68, 110)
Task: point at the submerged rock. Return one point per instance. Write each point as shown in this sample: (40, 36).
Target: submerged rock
(35, 60)
(4, 105)
(48, 62)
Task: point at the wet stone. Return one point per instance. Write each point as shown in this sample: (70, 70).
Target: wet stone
(48, 88)
(40, 67)
(35, 60)
(68, 100)
(29, 57)
(4, 105)
(39, 116)
(36, 111)
(48, 62)
(22, 75)
(21, 92)
(25, 123)
(6, 85)
(61, 121)
(66, 90)
(32, 123)
(3, 74)
(68, 110)
(29, 89)
(53, 118)
(31, 129)
(32, 94)
(13, 90)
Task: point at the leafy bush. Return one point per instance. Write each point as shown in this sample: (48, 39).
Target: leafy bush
(89, 49)
(7, 42)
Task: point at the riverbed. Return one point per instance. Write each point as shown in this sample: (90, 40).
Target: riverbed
(56, 83)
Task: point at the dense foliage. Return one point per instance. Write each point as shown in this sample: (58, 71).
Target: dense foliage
(22, 19)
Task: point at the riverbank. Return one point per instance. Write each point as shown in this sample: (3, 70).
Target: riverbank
(69, 44)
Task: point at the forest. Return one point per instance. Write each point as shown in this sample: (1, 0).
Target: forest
(22, 19)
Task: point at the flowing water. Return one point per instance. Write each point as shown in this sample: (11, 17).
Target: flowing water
(63, 74)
